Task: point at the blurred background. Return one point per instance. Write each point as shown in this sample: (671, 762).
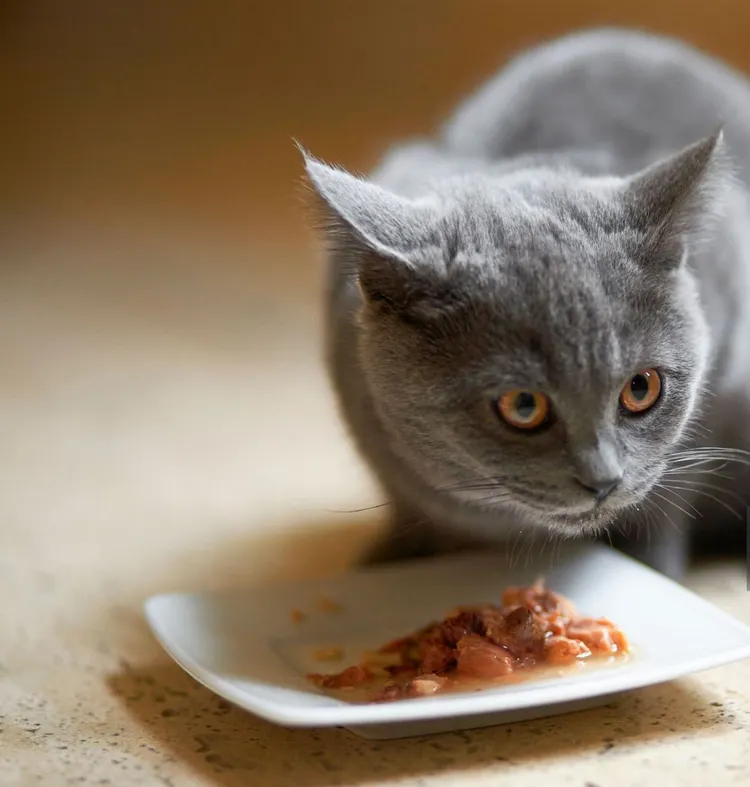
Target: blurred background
(159, 291)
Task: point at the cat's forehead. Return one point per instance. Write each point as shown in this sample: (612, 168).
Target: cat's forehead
(526, 219)
(549, 271)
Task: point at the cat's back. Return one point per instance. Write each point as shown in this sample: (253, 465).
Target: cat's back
(633, 94)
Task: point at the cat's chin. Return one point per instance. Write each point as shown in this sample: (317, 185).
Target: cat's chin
(572, 524)
(586, 523)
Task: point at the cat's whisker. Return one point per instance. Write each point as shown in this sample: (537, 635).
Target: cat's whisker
(666, 515)
(557, 542)
(510, 551)
(544, 543)
(682, 497)
(712, 452)
(703, 466)
(679, 474)
(702, 448)
(695, 430)
(515, 545)
(692, 514)
(469, 486)
(673, 503)
(714, 456)
(650, 513)
(693, 486)
(730, 448)
(493, 498)
(682, 467)
(528, 551)
(718, 500)
(713, 466)
(552, 540)
(358, 510)
(651, 520)
(705, 459)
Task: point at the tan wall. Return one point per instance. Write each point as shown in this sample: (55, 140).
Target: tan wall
(186, 110)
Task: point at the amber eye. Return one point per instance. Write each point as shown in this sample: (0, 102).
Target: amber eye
(641, 392)
(524, 409)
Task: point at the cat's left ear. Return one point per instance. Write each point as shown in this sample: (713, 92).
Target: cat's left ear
(676, 201)
(381, 238)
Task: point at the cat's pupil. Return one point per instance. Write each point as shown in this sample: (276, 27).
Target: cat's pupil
(525, 405)
(639, 387)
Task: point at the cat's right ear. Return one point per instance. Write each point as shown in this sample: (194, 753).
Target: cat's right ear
(675, 201)
(378, 233)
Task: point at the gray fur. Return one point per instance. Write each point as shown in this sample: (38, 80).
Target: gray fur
(579, 218)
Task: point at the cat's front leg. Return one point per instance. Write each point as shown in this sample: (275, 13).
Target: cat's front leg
(410, 535)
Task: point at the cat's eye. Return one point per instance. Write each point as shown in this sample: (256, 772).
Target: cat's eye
(524, 409)
(641, 392)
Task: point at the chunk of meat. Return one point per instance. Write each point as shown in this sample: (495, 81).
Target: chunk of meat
(519, 631)
(435, 655)
(479, 658)
(560, 650)
(599, 635)
(538, 599)
(421, 686)
(428, 684)
(554, 624)
(455, 628)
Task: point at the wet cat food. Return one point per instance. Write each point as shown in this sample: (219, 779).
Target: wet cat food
(532, 629)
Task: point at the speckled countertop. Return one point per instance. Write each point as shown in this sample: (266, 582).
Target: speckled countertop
(154, 438)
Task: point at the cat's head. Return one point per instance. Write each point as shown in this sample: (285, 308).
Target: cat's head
(534, 340)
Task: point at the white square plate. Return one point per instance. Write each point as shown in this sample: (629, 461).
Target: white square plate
(244, 645)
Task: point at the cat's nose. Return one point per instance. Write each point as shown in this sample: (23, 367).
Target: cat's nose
(597, 467)
(600, 488)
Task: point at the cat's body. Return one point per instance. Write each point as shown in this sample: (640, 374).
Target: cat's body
(525, 226)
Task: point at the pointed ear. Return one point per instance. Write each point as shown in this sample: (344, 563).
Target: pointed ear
(676, 200)
(381, 235)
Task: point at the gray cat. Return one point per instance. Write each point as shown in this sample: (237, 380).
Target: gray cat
(537, 320)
